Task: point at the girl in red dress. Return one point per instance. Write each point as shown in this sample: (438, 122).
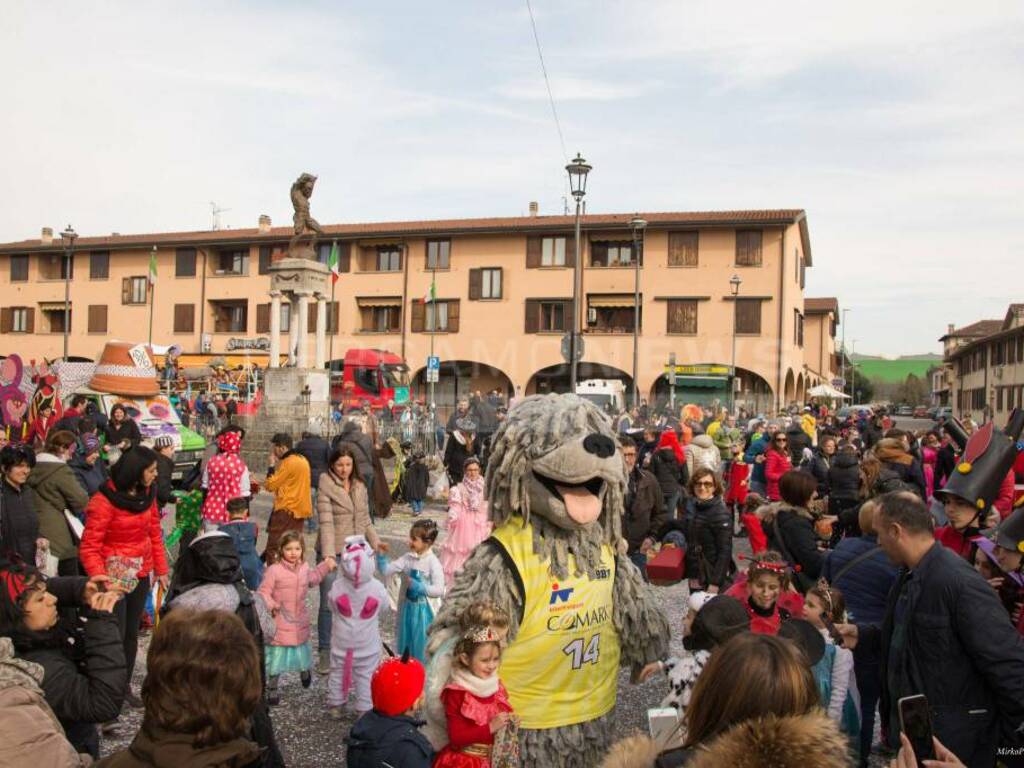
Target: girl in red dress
(767, 594)
(475, 702)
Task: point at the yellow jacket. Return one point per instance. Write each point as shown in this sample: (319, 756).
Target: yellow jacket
(290, 485)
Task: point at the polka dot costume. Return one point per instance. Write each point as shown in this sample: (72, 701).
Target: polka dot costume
(226, 478)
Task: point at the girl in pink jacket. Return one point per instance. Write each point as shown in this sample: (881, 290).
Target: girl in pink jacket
(284, 588)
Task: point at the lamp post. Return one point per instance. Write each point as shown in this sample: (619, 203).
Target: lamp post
(853, 369)
(734, 285)
(577, 170)
(842, 361)
(67, 237)
(638, 226)
(305, 394)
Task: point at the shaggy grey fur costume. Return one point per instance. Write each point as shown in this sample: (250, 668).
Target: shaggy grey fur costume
(548, 441)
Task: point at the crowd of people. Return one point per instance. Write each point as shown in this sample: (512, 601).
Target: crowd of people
(876, 556)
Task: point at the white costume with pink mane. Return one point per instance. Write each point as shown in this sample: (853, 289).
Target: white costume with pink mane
(356, 600)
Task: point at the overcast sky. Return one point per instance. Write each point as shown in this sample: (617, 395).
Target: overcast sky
(898, 126)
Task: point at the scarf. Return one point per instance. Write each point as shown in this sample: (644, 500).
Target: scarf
(127, 503)
(891, 451)
(474, 494)
(481, 687)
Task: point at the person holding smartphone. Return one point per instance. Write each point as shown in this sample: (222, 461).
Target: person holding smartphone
(945, 635)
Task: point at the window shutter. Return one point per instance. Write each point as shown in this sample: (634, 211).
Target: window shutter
(476, 283)
(262, 318)
(97, 320)
(419, 316)
(534, 246)
(6, 319)
(30, 320)
(184, 318)
(748, 316)
(570, 251)
(126, 290)
(264, 262)
(682, 249)
(344, 257)
(333, 315)
(453, 316)
(532, 316)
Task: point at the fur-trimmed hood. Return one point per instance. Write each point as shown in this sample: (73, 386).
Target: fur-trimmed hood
(779, 742)
(637, 751)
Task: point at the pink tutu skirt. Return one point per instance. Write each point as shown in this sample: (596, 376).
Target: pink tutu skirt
(464, 533)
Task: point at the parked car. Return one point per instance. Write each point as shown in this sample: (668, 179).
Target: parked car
(945, 412)
(921, 412)
(904, 410)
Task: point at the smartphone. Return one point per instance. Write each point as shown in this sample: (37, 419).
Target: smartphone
(832, 631)
(916, 722)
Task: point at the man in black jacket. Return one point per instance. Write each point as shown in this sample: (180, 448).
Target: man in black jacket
(644, 510)
(945, 635)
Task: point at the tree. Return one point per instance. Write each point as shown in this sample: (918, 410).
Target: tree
(863, 390)
(912, 391)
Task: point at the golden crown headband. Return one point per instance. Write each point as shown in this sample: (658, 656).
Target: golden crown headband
(483, 635)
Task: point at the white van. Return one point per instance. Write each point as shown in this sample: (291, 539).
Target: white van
(607, 394)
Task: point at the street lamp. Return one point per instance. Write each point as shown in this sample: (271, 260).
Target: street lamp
(638, 226)
(734, 285)
(577, 170)
(67, 237)
(842, 362)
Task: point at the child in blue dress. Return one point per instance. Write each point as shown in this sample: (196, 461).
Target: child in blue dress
(422, 588)
(834, 673)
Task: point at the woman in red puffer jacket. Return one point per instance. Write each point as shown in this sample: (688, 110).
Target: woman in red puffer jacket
(123, 541)
(776, 464)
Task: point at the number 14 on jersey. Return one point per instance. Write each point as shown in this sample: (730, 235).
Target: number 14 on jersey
(581, 655)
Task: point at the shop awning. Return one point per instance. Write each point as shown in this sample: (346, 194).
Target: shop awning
(380, 301)
(51, 306)
(701, 382)
(611, 302)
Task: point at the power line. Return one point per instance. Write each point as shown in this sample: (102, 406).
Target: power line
(547, 83)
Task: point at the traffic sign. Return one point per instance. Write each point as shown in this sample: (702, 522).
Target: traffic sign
(433, 363)
(567, 347)
(839, 382)
(432, 375)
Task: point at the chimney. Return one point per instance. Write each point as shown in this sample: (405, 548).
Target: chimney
(264, 223)
(534, 208)
(46, 236)
(950, 328)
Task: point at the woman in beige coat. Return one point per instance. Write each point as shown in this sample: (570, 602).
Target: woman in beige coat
(343, 509)
(29, 731)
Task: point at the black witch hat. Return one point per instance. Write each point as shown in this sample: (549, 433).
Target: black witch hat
(986, 459)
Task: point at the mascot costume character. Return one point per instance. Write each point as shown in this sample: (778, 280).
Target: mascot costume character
(356, 600)
(555, 562)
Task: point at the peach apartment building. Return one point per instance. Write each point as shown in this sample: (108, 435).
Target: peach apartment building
(502, 299)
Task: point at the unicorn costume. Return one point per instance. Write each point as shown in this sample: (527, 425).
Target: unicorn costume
(355, 601)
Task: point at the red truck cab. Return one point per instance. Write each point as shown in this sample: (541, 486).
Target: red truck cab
(373, 378)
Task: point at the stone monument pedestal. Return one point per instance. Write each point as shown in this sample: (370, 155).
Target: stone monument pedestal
(296, 396)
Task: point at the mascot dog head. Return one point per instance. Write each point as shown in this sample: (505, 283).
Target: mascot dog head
(556, 460)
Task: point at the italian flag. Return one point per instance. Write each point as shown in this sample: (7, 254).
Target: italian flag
(332, 262)
(432, 293)
(152, 267)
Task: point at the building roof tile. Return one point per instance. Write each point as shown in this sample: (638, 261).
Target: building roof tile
(439, 227)
(821, 305)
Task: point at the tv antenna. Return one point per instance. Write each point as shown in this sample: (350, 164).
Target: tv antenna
(215, 213)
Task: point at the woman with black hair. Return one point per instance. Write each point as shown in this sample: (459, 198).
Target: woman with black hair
(83, 678)
(123, 541)
(122, 432)
(19, 524)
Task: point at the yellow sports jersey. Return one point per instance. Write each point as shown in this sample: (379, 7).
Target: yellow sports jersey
(563, 666)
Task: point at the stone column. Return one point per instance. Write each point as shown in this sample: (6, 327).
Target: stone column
(321, 330)
(275, 329)
(293, 328)
(300, 327)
